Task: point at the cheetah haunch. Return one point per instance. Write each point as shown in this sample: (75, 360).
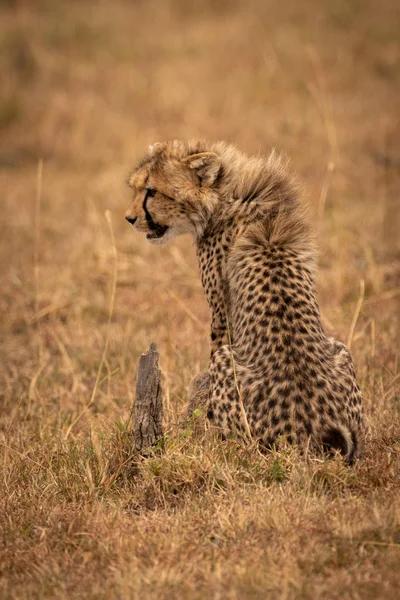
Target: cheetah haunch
(273, 372)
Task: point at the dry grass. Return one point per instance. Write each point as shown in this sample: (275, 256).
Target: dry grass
(85, 86)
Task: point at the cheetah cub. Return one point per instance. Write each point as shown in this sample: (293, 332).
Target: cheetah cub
(272, 372)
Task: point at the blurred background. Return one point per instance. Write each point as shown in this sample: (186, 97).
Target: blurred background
(86, 86)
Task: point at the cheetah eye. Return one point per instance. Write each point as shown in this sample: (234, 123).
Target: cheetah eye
(150, 192)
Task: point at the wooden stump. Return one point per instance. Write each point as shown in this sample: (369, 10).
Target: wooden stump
(148, 411)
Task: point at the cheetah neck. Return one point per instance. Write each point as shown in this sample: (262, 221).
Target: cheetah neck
(258, 237)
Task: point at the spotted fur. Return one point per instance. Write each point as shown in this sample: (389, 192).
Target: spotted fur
(273, 372)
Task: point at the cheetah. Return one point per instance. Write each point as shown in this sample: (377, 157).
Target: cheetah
(273, 373)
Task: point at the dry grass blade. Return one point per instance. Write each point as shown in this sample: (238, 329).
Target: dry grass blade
(325, 188)
(238, 390)
(108, 329)
(356, 314)
(36, 267)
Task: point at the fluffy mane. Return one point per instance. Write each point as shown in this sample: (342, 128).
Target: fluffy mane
(268, 184)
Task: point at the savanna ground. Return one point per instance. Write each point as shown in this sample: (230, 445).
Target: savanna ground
(85, 87)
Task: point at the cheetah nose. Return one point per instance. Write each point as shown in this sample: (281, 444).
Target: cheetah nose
(131, 220)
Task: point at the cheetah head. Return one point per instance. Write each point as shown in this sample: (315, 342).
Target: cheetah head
(174, 190)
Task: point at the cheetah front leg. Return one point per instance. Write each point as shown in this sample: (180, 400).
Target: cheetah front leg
(199, 389)
(216, 393)
(226, 407)
(219, 333)
(215, 290)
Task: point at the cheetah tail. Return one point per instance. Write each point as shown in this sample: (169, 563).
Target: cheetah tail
(341, 438)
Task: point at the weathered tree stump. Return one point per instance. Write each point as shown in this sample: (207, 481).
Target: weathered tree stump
(148, 409)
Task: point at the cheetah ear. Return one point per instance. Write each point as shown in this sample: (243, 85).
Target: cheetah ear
(156, 148)
(206, 164)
